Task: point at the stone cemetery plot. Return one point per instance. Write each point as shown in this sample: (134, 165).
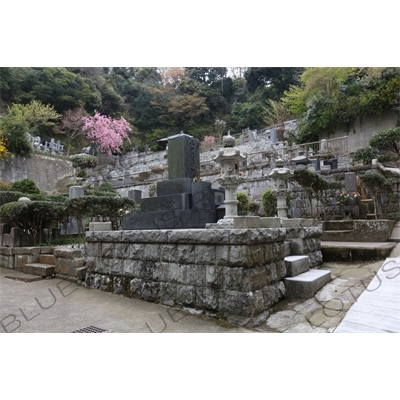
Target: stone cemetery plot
(181, 201)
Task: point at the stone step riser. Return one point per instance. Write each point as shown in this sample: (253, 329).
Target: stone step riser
(47, 259)
(39, 269)
(305, 285)
(296, 265)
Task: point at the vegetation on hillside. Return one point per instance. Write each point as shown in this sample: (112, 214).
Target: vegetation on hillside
(201, 101)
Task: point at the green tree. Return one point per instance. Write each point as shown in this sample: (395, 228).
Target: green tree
(387, 141)
(33, 216)
(275, 113)
(380, 188)
(14, 128)
(332, 98)
(271, 82)
(219, 126)
(62, 89)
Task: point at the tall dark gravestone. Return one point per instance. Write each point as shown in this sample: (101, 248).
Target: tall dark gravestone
(182, 202)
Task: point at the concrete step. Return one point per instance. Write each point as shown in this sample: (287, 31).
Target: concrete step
(47, 259)
(355, 251)
(338, 235)
(39, 269)
(305, 285)
(296, 265)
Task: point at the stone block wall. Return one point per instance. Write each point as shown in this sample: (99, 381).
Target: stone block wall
(69, 263)
(7, 258)
(235, 274)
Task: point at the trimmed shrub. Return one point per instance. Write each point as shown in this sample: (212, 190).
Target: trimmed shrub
(244, 203)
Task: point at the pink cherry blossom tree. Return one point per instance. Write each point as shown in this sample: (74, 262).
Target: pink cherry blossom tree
(105, 132)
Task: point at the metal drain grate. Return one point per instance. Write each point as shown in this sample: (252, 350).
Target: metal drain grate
(90, 329)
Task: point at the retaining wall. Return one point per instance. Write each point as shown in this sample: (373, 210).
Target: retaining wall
(235, 274)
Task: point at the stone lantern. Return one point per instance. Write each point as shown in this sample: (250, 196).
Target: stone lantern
(229, 158)
(280, 175)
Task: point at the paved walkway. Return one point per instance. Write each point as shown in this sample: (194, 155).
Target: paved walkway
(362, 297)
(378, 308)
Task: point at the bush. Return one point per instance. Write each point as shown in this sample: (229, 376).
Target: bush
(4, 186)
(269, 202)
(25, 186)
(9, 196)
(153, 190)
(107, 187)
(244, 204)
(83, 161)
(81, 174)
(366, 155)
(33, 216)
(254, 208)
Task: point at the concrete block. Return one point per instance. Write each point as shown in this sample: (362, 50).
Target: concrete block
(305, 285)
(295, 265)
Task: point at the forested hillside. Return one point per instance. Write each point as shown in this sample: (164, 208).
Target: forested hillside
(201, 101)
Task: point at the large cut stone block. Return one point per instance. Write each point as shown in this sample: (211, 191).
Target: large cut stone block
(248, 304)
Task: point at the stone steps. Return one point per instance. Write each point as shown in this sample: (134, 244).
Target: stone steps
(305, 285)
(40, 269)
(301, 281)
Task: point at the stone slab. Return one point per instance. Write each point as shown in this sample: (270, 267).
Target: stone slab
(305, 285)
(27, 278)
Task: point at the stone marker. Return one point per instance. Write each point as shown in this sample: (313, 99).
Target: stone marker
(76, 191)
(350, 182)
